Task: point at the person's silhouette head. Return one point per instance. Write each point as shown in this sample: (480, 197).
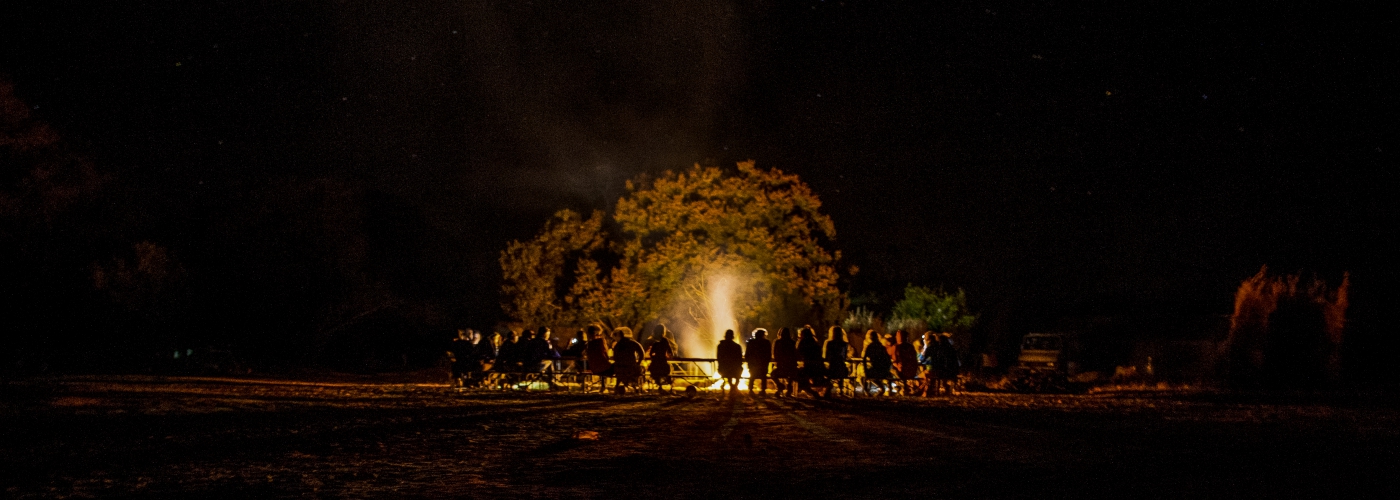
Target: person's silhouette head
(729, 335)
(594, 332)
(760, 334)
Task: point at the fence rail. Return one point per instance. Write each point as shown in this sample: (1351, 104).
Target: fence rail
(697, 372)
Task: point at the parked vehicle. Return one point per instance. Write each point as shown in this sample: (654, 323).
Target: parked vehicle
(1046, 362)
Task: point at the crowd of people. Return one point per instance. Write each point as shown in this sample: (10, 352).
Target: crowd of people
(794, 363)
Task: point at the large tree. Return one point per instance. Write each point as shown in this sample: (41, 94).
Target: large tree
(757, 234)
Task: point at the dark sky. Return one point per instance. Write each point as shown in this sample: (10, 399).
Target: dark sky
(1049, 158)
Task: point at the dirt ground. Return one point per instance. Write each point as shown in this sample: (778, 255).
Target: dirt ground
(199, 438)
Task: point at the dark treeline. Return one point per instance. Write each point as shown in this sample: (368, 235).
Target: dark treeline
(99, 273)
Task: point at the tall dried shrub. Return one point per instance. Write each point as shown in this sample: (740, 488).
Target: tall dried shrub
(1286, 332)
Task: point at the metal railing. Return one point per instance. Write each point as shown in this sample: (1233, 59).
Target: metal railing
(702, 373)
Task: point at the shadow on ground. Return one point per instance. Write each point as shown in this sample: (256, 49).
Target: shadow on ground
(172, 437)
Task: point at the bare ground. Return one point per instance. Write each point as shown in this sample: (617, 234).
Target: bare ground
(195, 438)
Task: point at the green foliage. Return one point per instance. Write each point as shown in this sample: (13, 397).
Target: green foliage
(913, 325)
(859, 319)
(936, 309)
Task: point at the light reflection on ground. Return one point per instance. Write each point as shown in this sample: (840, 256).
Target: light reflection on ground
(105, 436)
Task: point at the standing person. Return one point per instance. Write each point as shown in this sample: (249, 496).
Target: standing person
(731, 361)
(877, 363)
(757, 357)
(659, 355)
(785, 359)
(597, 355)
(835, 351)
(813, 364)
(627, 360)
(906, 362)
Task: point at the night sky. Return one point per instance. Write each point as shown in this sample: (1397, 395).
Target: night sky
(1053, 160)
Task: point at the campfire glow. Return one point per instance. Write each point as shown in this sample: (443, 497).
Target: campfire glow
(713, 314)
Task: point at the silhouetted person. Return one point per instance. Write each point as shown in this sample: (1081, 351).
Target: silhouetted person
(731, 361)
(659, 354)
(929, 360)
(511, 357)
(598, 357)
(627, 360)
(877, 362)
(475, 359)
(459, 353)
(757, 357)
(906, 362)
(834, 351)
(576, 344)
(530, 356)
(523, 363)
(573, 354)
(493, 344)
(543, 355)
(813, 364)
(949, 365)
(785, 360)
